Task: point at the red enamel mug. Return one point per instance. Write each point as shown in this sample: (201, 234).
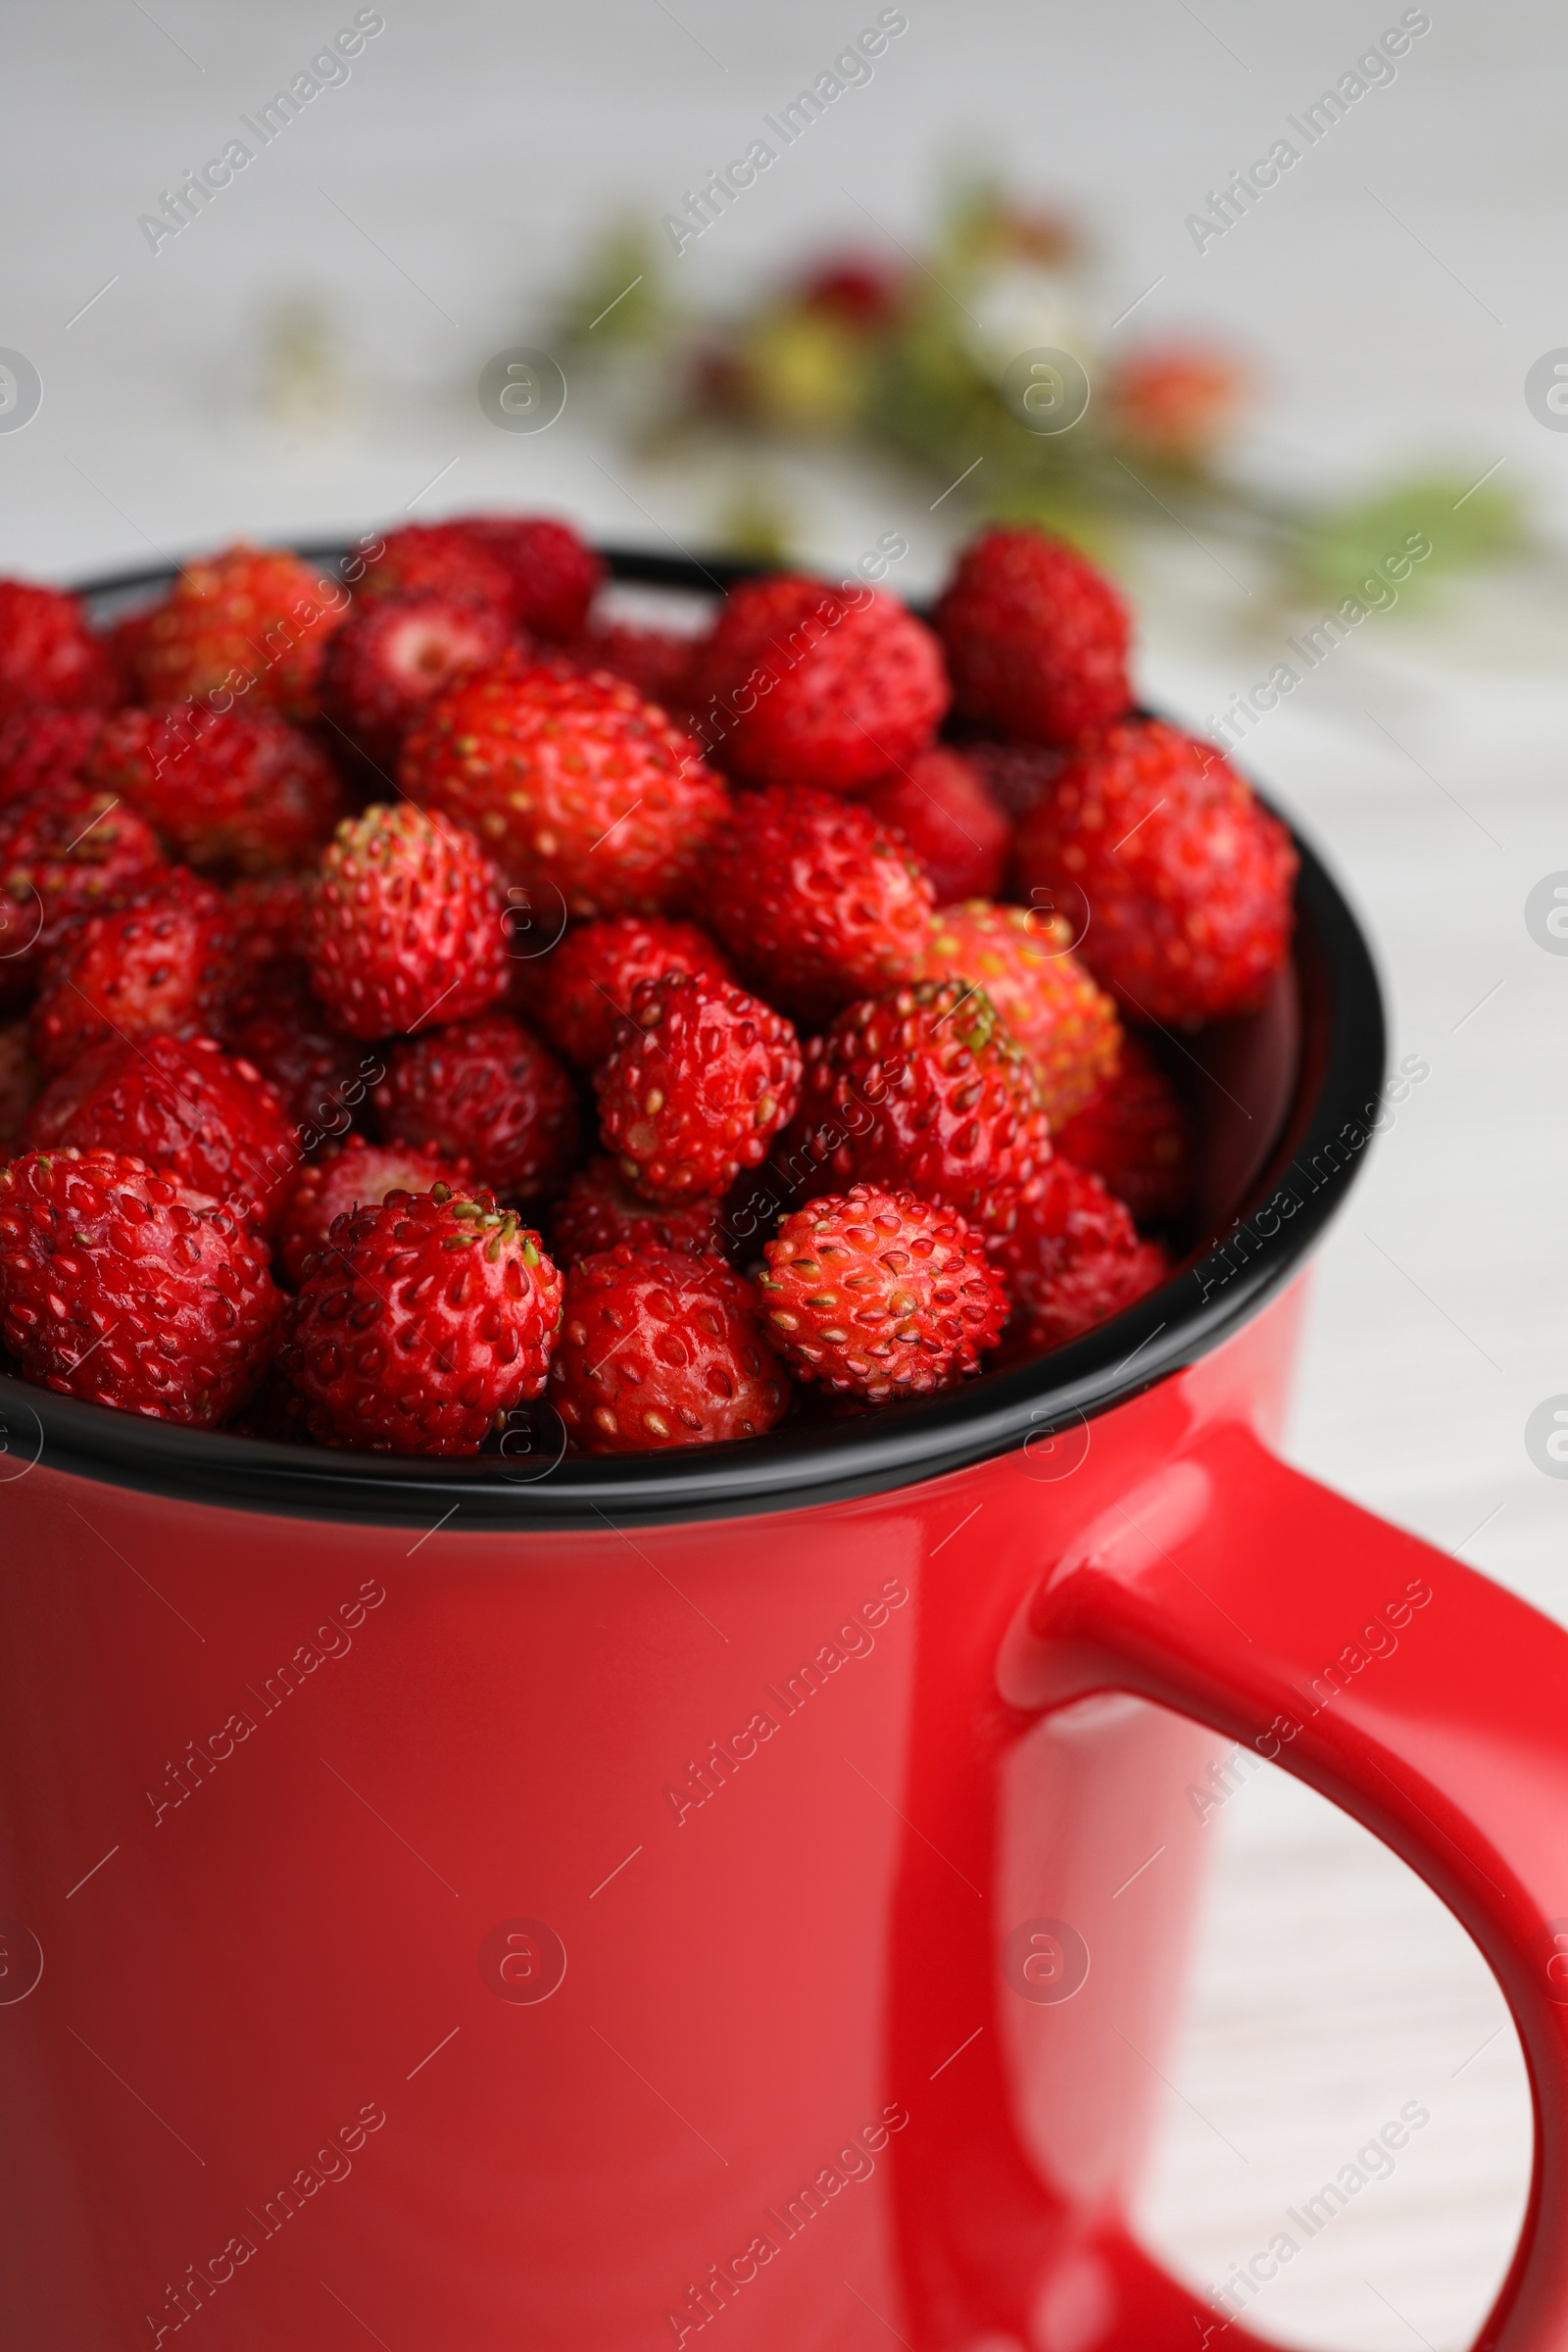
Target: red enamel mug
(589, 1905)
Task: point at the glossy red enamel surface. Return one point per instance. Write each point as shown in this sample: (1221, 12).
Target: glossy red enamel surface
(596, 1940)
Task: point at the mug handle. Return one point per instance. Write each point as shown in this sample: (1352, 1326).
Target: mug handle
(1417, 1696)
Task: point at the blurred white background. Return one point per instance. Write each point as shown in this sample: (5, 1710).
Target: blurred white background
(1392, 291)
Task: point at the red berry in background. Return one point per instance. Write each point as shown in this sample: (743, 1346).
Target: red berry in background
(1068, 1028)
(245, 793)
(925, 1089)
(535, 925)
(1177, 399)
(574, 783)
(587, 982)
(48, 654)
(698, 1083)
(817, 900)
(802, 683)
(42, 747)
(120, 1284)
(436, 558)
(489, 1092)
(1187, 878)
(249, 625)
(941, 808)
(161, 967)
(1015, 775)
(21, 1082)
(64, 854)
(426, 1318)
(1132, 1134)
(1036, 638)
(662, 1347)
(392, 657)
(185, 1106)
(323, 1078)
(269, 917)
(554, 573)
(598, 1211)
(656, 662)
(854, 290)
(404, 919)
(122, 645)
(1073, 1258)
(358, 1175)
(879, 1294)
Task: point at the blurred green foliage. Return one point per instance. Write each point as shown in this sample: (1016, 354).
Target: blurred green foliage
(907, 362)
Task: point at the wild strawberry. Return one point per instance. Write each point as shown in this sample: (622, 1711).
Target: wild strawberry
(588, 981)
(1015, 775)
(658, 1348)
(554, 573)
(120, 1284)
(574, 783)
(875, 1294)
(183, 1105)
(815, 901)
(925, 1089)
(42, 747)
(1187, 878)
(1072, 1260)
(161, 967)
(1176, 400)
(1132, 1134)
(21, 1084)
(268, 918)
(1068, 1027)
(529, 947)
(63, 854)
(855, 291)
(48, 654)
(1036, 638)
(323, 1078)
(121, 643)
(656, 662)
(245, 793)
(352, 1176)
(489, 1092)
(441, 560)
(802, 683)
(939, 806)
(698, 1083)
(596, 1211)
(426, 1318)
(403, 918)
(250, 622)
(392, 657)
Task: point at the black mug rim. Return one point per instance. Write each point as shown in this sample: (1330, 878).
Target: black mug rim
(1317, 1155)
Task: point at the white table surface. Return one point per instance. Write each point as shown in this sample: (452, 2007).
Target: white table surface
(1396, 290)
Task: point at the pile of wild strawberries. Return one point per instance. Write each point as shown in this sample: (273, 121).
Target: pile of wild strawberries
(334, 920)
